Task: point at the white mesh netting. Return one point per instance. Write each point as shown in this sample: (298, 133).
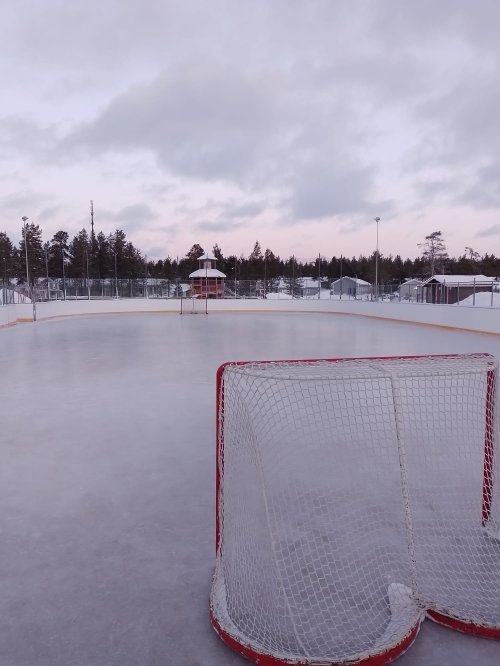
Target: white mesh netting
(352, 497)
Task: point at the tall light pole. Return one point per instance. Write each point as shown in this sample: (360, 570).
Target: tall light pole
(25, 234)
(377, 220)
(46, 248)
(341, 278)
(63, 252)
(86, 251)
(235, 275)
(265, 274)
(206, 283)
(319, 275)
(116, 267)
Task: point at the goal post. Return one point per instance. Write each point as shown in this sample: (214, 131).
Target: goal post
(354, 496)
(194, 306)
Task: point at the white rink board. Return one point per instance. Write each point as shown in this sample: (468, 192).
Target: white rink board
(107, 481)
(452, 316)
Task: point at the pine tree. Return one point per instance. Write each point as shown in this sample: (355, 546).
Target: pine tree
(79, 251)
(255, 267)
(7, 267)
(221, 262)
(434, 250)
(195, 252)
(291, 280)
(58, 253)
(103, 261)
(189, 263)
(32, 236)
(116, 245)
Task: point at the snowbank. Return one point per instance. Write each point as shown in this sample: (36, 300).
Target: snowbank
(483, 299)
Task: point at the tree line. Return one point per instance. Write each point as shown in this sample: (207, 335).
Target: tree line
(113, 255)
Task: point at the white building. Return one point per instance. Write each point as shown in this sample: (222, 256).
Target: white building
(351, 286)
(410, 289)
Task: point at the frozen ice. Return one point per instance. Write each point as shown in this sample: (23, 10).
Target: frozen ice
(107, 480)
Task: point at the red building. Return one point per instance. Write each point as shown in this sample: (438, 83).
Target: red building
(207, 281)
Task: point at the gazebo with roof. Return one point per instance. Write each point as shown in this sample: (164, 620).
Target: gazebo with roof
(207, 281)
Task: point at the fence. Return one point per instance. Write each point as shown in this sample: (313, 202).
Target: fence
(81, 288)
(10, 295)
(471, 292)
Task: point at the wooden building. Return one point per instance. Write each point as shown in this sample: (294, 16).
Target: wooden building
(207, 281)
(449, 289)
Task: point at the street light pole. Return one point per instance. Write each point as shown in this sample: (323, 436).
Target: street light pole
(206, 283)
(25, 234)
(265, 274)
(319, 275)
(116, 269)
(87, 272)
(63, 251)
(377, 220)
(46, 252)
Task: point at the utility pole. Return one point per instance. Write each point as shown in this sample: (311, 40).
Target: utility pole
(319, 275)
(92, 237)
(341, 280)
(377, 220)
(116, 269)
(87, 280)
(265, 274)
(46, 248)
(63, 270)
(206, 283)
(25, 234)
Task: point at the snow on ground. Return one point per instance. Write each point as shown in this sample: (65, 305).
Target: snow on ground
(483, 299)
(107, 480)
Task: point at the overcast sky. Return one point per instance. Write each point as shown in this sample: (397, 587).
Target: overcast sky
(226, 121)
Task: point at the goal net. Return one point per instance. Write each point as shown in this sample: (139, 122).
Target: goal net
(193, 306)
(353, 496)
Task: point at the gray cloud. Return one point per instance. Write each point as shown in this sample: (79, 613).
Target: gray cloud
(248, 209)
(327, 189)
(221, 224)
(303, 111)
(48, 213)
(432, 189)
(202, 121)
(225, 215)
(132, 217)
(135, 212)
(23, 134)
(24, 202)
(484, 190)
(494, 230)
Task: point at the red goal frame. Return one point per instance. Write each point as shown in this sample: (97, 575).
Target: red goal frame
(458, 624)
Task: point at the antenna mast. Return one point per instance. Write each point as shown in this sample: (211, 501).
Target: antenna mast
(92, 236)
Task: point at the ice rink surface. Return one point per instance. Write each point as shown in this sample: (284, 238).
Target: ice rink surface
(107, 479)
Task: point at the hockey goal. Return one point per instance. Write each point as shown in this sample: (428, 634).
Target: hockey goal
(354, 496)
(194, 306)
